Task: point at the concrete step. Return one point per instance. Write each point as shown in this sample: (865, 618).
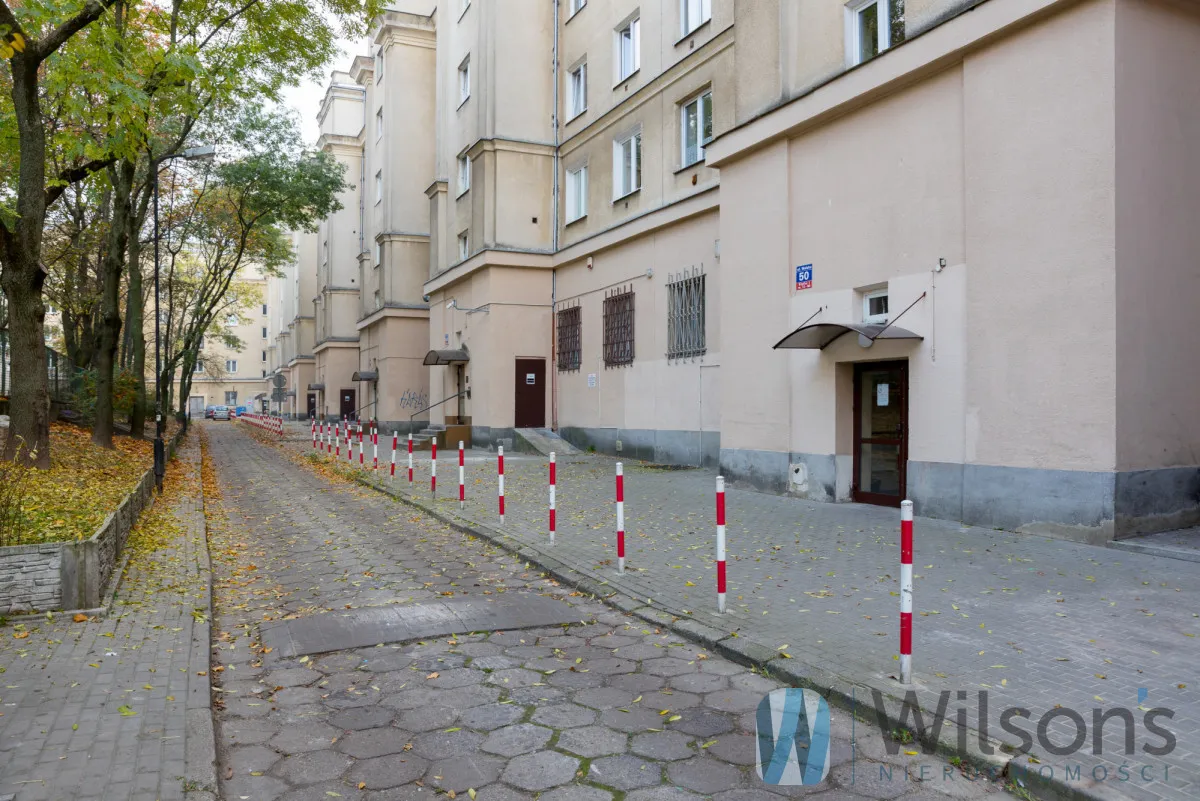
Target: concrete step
(545, 441)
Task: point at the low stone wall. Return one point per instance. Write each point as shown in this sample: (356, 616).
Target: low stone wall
(73, 575)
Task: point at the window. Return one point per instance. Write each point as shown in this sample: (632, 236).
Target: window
(378, 300)
(264, 353)
(201, 345)
(685, 315)
(231, 398)
(232, 320)
(379, 186)
(231, 365)
(574, 7)
(627, 165)
(618, 327)
(379, 65)
(696, 127)
(464, 173)
(872, 26)
(694, 13)
(264, 332)
(378, 125)
(198, 368)
(378, 253)
(264, 308)
(576, 194)
(464, 248)
(627, 55)
(875, 307)
(464, 80)
(577, 91)
(570, 330)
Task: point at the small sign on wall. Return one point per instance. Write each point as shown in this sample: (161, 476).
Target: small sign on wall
(530, 378)
(804, 277)
(591, 380)
(881, 394)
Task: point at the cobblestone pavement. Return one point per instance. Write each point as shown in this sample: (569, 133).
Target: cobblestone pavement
(606, 708)
(1035, 622)
(99, 709)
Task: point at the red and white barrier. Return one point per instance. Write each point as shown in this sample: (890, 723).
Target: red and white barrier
(500, 479)
(906, 590)
(410, 462)
(349, 442)
(313, 427)
(620, 518)
(721, 544)
(362, 459)
(374, 445)
(462, 477)
(337, 439)
(268, 423)
(433, 467)
(395, 444)
(553, 500)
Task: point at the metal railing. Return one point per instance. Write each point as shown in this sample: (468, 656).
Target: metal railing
(465, 392)
(60, 373)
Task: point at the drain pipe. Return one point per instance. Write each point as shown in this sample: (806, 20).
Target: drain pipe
(554, 234)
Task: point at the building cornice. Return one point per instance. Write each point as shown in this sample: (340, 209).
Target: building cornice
(527, 148)
(335, 343)
(401, 236)
(339, 290)
(419, 311)
(491, 257)
(915, 59)
(440, 185)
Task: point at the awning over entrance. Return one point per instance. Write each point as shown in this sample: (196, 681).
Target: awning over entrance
(365, 375)
(316, 387)
(437, 358)
(819, 335)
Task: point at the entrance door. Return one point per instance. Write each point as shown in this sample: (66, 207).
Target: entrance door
(880, 432)
(312, 406)
(531, 393)
(196, 405)
(349, 404)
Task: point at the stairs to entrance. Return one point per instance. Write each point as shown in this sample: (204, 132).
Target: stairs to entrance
(543, 441)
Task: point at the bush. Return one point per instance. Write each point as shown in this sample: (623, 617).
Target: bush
(124, 396)
(14, 480)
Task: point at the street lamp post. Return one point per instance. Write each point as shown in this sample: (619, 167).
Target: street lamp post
(203, 153)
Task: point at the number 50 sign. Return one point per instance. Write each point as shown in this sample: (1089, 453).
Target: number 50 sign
(804, 277)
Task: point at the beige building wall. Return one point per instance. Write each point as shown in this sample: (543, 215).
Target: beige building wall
(241, 370)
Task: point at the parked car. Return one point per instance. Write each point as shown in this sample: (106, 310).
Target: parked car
(221, 413)
(208, 411)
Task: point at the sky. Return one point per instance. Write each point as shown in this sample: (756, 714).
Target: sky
(306, 98)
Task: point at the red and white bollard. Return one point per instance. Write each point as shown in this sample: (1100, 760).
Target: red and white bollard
(349, 443)
(500, 479)
(553, 500)
(410, 463)
(362, 459)
(395, 444)
(336, 433)
(374, 445)
(721, 544)
(620, 518)
(462, 477)
(906, 590)
(433, 467)
(314, 434)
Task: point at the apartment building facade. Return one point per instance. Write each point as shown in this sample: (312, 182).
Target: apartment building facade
(859, 251)
(236, 374)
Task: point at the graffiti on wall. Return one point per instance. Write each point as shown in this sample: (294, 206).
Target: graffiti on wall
(414, 399)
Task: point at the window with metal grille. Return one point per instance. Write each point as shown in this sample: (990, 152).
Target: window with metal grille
(685, 314)
(618, 327)
(570, 337)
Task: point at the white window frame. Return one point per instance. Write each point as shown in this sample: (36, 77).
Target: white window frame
(701, 141)
(379, 65)
(577, 91)
(883, 24)
(693, 14)
(464, 81)
(630, 30)
(577, 193)
(874, 319)
(378, 253)
(379, 124)
(574, 7)
(624, 184)
(464, 175)
(464, 245)
(231, 365)
(198, 367)
(378, 187)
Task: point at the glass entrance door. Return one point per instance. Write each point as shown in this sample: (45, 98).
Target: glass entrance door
(880, 432)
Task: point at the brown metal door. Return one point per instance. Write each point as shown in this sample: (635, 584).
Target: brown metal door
(880, 432)
(349, 404)
(531, 393)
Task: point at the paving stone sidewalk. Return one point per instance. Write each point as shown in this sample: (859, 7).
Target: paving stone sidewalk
(112, 708)
(1035, 622)
(608, 708)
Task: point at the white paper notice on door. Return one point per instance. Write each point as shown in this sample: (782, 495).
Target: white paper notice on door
(530, 378)
(881, 394)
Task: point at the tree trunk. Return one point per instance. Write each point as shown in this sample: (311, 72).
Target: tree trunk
(22, 278)
(110, 302)
(136, 330)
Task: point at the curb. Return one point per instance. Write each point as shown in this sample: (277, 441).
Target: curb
(200, 752)
(746, 651)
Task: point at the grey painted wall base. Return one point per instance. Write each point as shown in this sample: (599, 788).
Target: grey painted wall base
(1086, 506)
(491, 436)
(662, 446)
